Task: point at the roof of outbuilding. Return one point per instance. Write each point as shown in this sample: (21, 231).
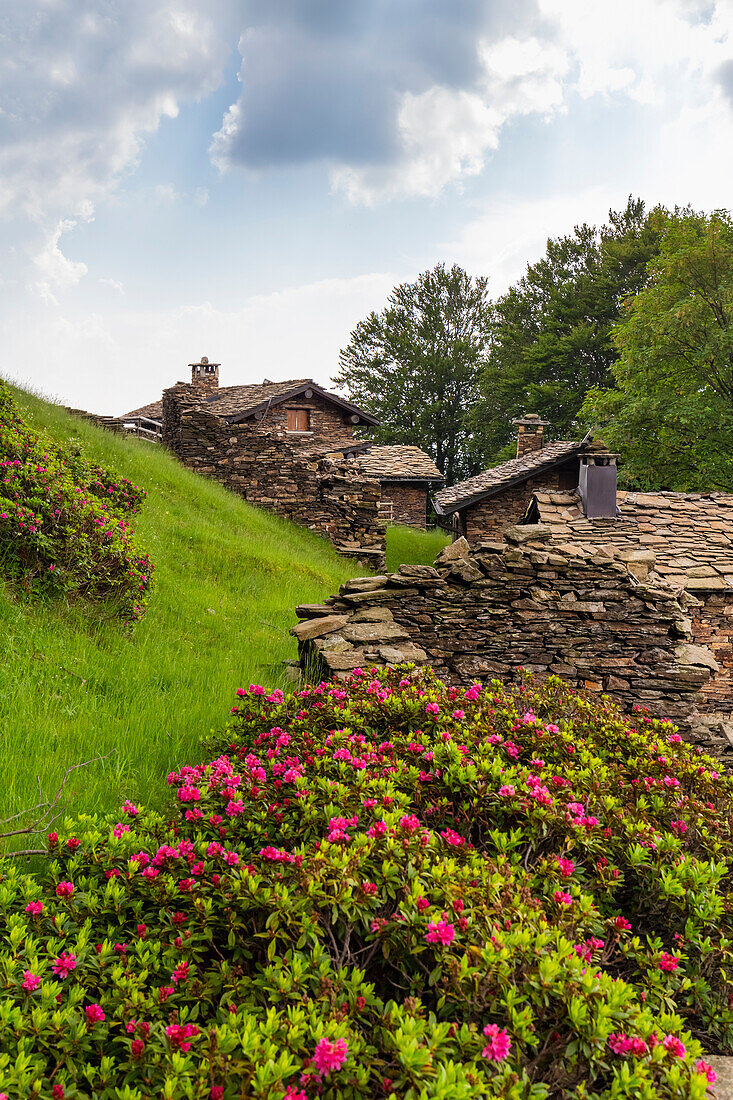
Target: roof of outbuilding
(691, 534)
(398, 463)
(493, 480)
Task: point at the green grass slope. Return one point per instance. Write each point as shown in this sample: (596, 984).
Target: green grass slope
(74, 686)
(405, 544)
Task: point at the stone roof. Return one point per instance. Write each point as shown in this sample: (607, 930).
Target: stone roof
(398, 463)
(690, 534)
(497, 478)
(153, 411)
(236, 403)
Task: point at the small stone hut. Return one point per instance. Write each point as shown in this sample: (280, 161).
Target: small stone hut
(290, 447)
(483, 505)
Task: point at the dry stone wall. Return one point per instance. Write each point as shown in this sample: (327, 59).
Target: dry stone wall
(599, 623)
(267, 470)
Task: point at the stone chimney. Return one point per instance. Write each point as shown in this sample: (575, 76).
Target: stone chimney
(530, 433)
(205, 374)
(598, 480)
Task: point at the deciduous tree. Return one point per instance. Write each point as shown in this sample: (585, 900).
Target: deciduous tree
(670, 411)
(416, 365)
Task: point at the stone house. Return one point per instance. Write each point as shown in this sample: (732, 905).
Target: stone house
(483, 505)
(630, 594)
(290, 447)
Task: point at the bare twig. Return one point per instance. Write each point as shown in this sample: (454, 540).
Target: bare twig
(45, 812)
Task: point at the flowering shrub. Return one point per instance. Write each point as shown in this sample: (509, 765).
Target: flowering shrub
(363, 895)
(62, 521)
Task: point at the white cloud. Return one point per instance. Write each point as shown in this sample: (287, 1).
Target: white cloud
(656, 53)
(81, 84)
(54, 270)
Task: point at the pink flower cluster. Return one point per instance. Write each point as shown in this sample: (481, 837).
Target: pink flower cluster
(499, 1044)
(277, 855)
(440, 932)
(329, 1056)
(179, 1035)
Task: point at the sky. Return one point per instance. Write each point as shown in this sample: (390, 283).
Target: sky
(248, 179)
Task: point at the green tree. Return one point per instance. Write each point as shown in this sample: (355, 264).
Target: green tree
(416, 365)
(551, 335)
(670, 412)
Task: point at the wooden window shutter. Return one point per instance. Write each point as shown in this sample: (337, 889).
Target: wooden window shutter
(298, 420)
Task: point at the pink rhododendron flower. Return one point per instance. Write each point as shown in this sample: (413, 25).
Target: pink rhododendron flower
(707, 1069)
(65, 889)
(563, 898)
(369, 888)
(506, 791)
(422, 904)
(621, 1043)
(668, 962)
(137, 1046)
(329, 1056)
(119, 829)
(621, 924)
(178, 1035)
(30, 981)
(499, 1043)
(409, 823)
(130, 808)
(565, 866)
(440, 932)
(95, 1015)
(64, 964)
(674, 1046)
(34, 908)
(276, 855)
(453, 838)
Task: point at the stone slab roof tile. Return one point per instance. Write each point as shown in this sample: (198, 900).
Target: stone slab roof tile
(689, 531)
(153, 411)
(398, 463)
(232, 400)
(496, 478)
(239, 401)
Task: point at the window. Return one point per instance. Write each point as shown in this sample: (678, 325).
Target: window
(298, 420)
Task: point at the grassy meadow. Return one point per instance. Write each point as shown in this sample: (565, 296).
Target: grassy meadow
(74, 686)
(405, 544)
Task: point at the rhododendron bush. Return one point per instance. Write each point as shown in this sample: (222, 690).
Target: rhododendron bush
(62, 521)
(387, 888)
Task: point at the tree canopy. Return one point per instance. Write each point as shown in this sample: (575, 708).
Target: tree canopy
(551, 333)
(670, 410)
(416, 365)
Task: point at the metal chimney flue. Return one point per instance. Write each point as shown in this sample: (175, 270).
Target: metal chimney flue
(598, 483)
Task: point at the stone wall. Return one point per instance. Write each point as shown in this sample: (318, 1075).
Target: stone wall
(488, 518)
(599, 623)
(110, 423)
(265, 469)
(327, 424)
(405, 503)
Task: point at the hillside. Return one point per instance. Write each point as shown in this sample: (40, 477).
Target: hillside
(73, 686)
